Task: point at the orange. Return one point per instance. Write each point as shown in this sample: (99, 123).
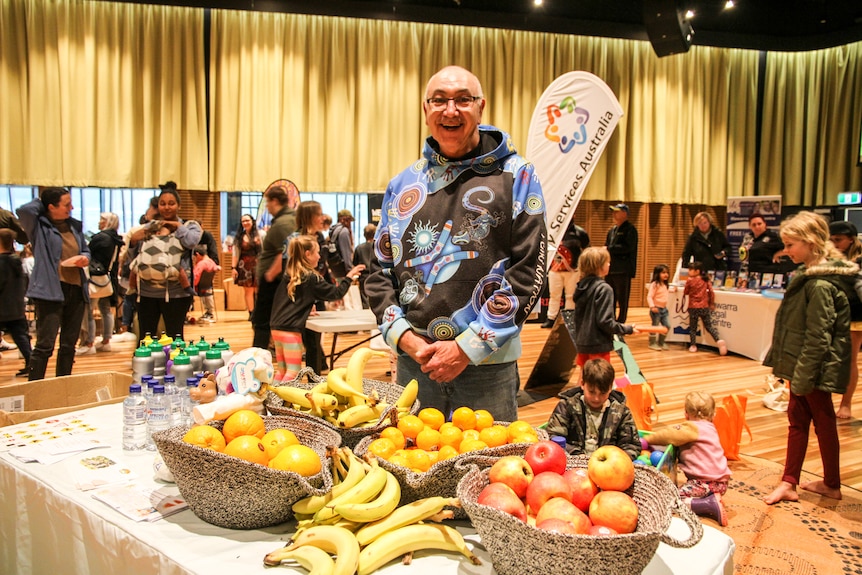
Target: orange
(410, 426)
(494, 436)
(484, 419)
(395, 436)
(432, 417)
(524, 438)
(276, 440)
(382, 447)
(400, 459)
(205, 436)
(470, 434)
(243, 422)
(451, 436)
(519, 427)
(418, 460)
(433, 457)
(447, 452)
(428, 439)
(464, 418)
(472, 445)
(247, 447)
(298, 458)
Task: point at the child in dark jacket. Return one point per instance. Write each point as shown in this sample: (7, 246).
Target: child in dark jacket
(594, 308)
(701, 302)
(701, 456)
(13, 285)
(300, 287)
(595, 414)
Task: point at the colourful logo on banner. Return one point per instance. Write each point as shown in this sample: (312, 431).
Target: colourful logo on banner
(558, 123)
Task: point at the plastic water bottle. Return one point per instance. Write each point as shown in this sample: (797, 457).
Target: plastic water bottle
(158, 414)
(182, 368)
(142, 364)
(188, 404)
(172, 390)
(195, 358)
(147, 386)
(134, 420)
(213, 361)
(224, 348)
(158, 353)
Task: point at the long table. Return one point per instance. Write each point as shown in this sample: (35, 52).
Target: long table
(743, 319)
(49, 526)
(343, 321)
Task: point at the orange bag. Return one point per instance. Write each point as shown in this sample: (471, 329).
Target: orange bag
(729, 421)
(640, 399)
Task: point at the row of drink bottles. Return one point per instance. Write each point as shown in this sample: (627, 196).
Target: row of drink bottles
(163, 371)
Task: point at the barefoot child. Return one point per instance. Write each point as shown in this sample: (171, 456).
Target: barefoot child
(701, 302)
(300, 287)
(657, 301)
(811, 349)
(701, 457)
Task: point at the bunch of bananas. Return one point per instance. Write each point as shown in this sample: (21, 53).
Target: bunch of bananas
(341, 399)
(360, 522)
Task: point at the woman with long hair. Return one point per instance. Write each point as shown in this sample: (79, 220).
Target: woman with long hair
(246, 248)
(845, 237)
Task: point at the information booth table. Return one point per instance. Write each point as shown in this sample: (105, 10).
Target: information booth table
(47, 525)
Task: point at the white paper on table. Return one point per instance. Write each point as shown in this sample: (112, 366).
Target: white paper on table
(48, 452)
(94, 470)
(142, 502)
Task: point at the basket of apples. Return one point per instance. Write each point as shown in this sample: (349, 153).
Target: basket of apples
(598, 515)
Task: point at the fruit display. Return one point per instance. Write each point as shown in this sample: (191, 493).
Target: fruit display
(576, 518)
(361, 523)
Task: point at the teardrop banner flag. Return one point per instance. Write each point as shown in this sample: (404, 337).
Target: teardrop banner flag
(570, 128)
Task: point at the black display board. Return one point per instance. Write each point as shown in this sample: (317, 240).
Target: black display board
(555, 363)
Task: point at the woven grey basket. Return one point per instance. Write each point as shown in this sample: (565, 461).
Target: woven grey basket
(229, 492)
(519, 549)
(388, 392)
(443, 477)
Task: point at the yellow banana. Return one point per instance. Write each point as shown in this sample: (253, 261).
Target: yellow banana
(397, 542)
(353, 416)
(321, 387)
(304, 397)
(366, 490)
(332, 539)
(338, 385)
(379, 507)
(314, 503)
(407, 514)
(314, 559)
(408, 396)
(356, 366)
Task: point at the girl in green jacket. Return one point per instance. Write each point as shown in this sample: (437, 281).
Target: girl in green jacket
(811, 349)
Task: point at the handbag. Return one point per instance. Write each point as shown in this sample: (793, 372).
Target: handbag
(99, 279)
(729, 421)
(778, 396)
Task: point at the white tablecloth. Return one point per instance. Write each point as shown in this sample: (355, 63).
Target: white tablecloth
(47, 526)
(743, 319)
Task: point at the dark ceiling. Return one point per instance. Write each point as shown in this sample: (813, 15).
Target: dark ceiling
(753, 24)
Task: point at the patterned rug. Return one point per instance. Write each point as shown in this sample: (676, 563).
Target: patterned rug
(815, 536)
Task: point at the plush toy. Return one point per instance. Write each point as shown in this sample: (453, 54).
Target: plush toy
(243, 383)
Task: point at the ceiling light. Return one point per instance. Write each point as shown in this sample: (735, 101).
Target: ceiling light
(537, 2)
(728, 5)
(689, 14)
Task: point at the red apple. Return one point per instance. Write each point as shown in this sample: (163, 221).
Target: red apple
(616, 510)
(583, 488)
(544, 486)
(611, 468)
(557, 525)
(601, 531)
(513, 471)
(503, 499)
(560, 508)
(546, 456)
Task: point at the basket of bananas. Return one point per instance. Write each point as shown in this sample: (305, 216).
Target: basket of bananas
(234, 491)
(344, 401)
(434, 466)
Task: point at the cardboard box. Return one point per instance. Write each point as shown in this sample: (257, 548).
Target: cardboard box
(32, 400)
(235, 296)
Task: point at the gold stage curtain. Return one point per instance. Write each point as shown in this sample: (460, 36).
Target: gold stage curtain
(101, 94)
(335, 103)
(812, 113)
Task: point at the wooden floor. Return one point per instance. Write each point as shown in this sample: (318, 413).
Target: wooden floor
(673, 373)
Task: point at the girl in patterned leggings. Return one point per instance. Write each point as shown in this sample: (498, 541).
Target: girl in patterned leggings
(701, 302)
(300, 287)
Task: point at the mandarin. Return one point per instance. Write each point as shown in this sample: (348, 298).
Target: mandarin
(519, 427)
(382, 447)
(432, 417)
(418, 460)
(451, 436)
(410, 426)
(447, 452)
(484, 419)
(395, 436)
(469, 445)
(464, 418)
(494, 436)
(428, 439)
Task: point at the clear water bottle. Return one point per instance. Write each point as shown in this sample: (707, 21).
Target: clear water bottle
(134, 420)
(158, 414)
(172, 390)
(147, 386)
(188, 403)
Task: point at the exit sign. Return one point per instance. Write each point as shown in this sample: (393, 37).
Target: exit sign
(849, 198)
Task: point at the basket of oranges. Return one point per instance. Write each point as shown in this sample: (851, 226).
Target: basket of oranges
(429, 455)
(247, 471)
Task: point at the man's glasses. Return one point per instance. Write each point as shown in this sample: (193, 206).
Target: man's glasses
(439, 103)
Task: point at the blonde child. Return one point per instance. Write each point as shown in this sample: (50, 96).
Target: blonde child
(701, 456)
(701, 302)
(300, 287)
(811, 349)
(657, 301)
(594, 308)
